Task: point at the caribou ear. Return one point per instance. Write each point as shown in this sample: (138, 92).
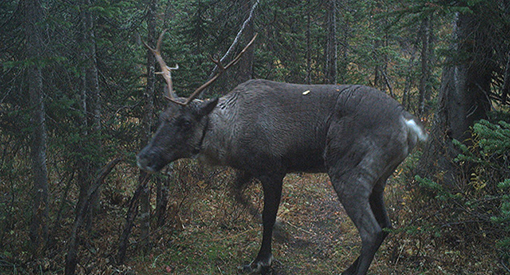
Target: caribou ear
(207, 107)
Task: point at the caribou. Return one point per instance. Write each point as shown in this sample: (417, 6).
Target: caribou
(356, 134)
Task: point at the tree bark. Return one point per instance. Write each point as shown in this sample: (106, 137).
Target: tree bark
(463, 98)
(147, 122)
(91, 121)
(34, 47)
(246, 62)
(406, 94)
(247, 23)
(331, 44)
(81, 214)
(308, 77)
(94, 104)
(343, 41)
(426, 56)
(130, 218)
(161, 202)
(88, 163)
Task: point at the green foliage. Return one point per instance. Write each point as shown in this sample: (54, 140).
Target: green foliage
(436, 189)
(492, 144)
(373, 37)
(491, 153)
(485, 199)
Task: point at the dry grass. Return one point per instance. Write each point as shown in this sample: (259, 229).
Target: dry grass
(315, 236)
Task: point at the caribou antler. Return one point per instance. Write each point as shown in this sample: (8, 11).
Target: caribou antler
(165, 70)
(221, 69)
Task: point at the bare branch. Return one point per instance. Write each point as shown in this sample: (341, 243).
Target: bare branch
(217, 71)
(236, 40)
(222, 68)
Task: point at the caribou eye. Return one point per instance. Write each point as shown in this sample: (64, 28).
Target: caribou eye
(184, 123)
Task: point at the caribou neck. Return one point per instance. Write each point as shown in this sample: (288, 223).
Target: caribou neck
(216, 140)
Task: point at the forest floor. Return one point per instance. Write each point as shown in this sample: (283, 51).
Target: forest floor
(315, 236)
(206, 232)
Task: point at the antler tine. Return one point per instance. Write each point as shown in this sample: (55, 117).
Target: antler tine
(165, 70)
(221, 69)
(160, 41)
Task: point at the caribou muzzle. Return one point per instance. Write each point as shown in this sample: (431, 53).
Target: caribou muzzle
(150, 160)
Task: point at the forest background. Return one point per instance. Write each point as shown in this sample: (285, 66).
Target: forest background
(79, 97)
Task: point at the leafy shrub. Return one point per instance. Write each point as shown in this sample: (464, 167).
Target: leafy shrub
(476, 211)
(491, 154)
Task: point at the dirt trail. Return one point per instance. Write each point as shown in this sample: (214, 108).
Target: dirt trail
(315, 229)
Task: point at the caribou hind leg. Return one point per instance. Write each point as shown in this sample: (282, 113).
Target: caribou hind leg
(359, 166)
(355, 197)
(377, 205)
(359, 177)
(379, 212)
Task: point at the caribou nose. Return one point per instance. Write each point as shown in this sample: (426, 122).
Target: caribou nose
(143, 163)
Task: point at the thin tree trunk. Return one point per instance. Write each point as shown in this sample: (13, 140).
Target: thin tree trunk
(377, 67)
(246, 23)
(343, 42)
(308, 78)
(246, 62)
(506, 81)
(81, 214)
(161, 202)
(424, 88)
(34, 47)
(88, 164)
(331, 45)
(406, 95)
(147, 122)
(145, 215)
(130, 218)
(91, 121)
(94, 112)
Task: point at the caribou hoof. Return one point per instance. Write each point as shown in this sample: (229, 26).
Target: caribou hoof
(257, 267)
(254, 268)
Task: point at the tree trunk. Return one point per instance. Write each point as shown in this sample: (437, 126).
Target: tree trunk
(130, 218)
(406, 94)
(308, 78)
(90, 141)
(331, 44)
(81, 214)
(34, 46)
(147, 122)
(377, 67)
(246, 62)
(426, 56)
(94, 112)
(91, 121)
(161, 202)
(463, 97)
(343, 42)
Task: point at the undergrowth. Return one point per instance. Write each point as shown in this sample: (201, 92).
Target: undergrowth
(437, 230)
(468, 222)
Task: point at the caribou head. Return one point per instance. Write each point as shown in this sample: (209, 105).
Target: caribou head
(184, 123)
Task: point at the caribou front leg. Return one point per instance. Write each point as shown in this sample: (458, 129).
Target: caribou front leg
(272, 186)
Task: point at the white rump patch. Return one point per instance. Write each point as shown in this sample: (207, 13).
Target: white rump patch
(420, 133)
